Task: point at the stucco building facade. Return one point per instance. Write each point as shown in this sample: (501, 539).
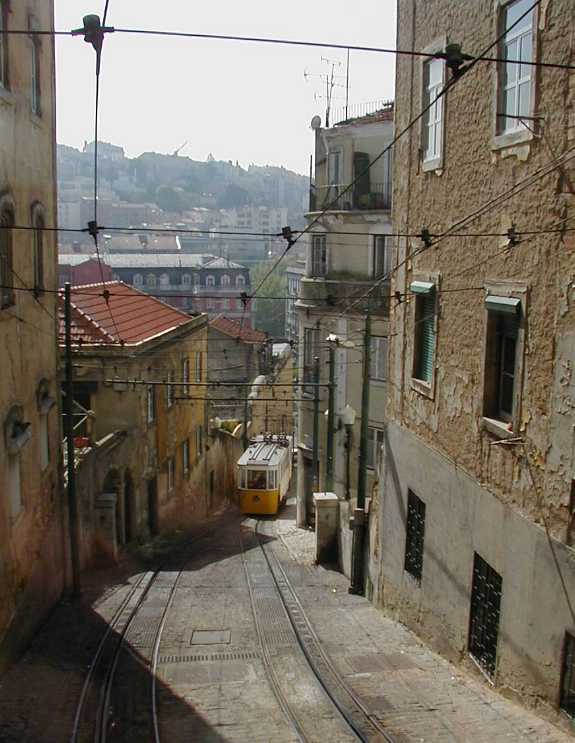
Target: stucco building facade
(140, 374)
(477, 496)
(347, 259)
(32, 525)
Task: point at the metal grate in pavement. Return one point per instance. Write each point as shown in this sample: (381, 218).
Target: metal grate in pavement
(210, 658)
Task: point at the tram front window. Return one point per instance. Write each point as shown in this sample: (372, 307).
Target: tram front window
(257, 479)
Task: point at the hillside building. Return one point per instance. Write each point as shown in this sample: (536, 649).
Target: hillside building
(32, 522)
(477, 496)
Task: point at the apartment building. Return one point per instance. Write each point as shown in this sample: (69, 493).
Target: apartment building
(127, 351)
(477, 495)
(32, 537)
(347, 258)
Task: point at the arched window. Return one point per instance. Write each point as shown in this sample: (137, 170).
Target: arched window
(186, 279)
(151, 280)
(6, 254)
(240, 281)
(38, 247)
(225, 280)
(196, 279)
(210, 280)
(36, 86)
(164, 279)
(138, 279)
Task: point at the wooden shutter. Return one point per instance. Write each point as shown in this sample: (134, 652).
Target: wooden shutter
(426, 351)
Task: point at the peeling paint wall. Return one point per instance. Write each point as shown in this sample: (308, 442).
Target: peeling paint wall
(459, 461)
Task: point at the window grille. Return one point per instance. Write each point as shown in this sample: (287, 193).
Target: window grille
(567, 697)
(484, 617)
(414, 538)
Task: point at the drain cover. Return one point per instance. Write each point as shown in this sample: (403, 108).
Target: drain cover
(211, 637)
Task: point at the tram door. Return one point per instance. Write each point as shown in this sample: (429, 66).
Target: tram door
(153, 507)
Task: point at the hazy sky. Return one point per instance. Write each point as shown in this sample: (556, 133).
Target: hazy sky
(241, 101)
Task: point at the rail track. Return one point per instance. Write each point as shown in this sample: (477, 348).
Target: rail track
(336, 712)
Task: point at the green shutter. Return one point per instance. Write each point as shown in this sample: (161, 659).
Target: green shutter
(426, 338)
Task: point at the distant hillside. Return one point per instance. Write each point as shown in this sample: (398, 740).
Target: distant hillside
(177, 184)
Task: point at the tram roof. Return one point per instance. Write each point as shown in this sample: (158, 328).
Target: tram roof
(263, 453)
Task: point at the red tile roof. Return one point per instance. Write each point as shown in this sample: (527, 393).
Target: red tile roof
(235, 329)
(129, 316)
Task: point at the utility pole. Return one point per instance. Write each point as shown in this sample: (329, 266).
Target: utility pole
(70, 449)
(315, 455)
(330, 422)
(356, 585)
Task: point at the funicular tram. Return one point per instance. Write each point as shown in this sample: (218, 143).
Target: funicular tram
(264, 474)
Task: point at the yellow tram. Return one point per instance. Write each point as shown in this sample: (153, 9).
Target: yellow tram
(264, 474)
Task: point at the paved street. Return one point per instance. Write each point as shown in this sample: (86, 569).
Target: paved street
(232, 634)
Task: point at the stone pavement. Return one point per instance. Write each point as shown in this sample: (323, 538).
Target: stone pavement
(414, 692)
(213, 689)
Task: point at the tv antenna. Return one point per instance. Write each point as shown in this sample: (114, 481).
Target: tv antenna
(330, 79)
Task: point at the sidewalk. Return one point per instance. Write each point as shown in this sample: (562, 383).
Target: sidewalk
(414, 692)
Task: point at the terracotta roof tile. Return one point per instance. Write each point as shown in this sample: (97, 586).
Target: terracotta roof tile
(235, 329)
(130, 314)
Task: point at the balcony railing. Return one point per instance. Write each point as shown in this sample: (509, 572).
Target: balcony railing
(348, 294)
(378, 197)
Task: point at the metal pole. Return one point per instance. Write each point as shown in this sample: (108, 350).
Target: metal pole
(70, 449)
(330, 422)
(347, 462)
(315, 455)
(347, 86)
(356, 585)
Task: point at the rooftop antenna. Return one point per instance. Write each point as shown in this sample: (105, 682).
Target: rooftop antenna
(330, 79)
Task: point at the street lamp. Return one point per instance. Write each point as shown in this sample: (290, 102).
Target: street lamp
(348, 419)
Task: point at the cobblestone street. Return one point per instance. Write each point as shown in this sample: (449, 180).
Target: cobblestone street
(232, 634)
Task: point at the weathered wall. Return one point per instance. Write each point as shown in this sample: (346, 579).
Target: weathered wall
(272, 410)
(482, 495)
(534, 613)
(32, 551)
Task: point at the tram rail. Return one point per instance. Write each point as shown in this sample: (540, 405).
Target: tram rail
(365, 725)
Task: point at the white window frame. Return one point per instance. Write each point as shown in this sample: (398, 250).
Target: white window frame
(504, 134)
(240, 281)
(210, 281)
(378, 358)
(318, 259)
(375, 442)
(383, 243)
(435, 117)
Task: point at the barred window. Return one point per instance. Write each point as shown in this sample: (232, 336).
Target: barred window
(415, 532)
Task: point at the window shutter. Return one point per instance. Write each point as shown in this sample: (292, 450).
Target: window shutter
(427, 349)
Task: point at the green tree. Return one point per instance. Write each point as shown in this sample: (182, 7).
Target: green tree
(270, 314)
(169, 199)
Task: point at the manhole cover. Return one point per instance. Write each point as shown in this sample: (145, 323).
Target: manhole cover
(211, 637)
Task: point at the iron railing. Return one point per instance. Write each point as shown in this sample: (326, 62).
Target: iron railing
(378, 197)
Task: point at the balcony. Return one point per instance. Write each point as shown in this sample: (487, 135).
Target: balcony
(345, 293)
(376, 197)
